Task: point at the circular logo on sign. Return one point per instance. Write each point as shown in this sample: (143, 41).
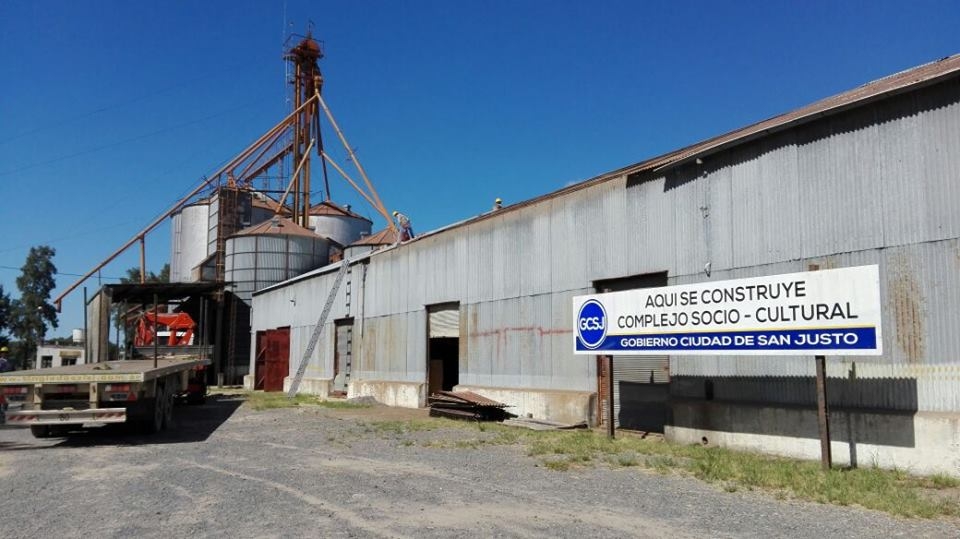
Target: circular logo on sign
(592, 324)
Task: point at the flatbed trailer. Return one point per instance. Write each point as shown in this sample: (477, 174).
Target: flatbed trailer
(52, 401)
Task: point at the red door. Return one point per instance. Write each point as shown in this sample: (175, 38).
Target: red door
(276, 358)
(260, 362)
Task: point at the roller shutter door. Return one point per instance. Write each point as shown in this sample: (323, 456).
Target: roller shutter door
(445, 321)
(633, 378)
(640, 383)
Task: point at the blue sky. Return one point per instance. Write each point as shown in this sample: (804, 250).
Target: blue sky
(110, 111)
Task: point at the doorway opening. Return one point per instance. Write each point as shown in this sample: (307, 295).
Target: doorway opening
(443, 347)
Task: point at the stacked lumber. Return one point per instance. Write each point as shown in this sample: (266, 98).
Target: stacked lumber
(467, 405)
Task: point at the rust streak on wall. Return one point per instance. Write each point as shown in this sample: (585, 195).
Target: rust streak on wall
(907, 302)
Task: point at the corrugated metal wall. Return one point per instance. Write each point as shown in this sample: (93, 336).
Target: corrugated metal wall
(874, 185)
(257, 261)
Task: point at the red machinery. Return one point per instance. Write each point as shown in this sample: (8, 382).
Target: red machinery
(180, 328)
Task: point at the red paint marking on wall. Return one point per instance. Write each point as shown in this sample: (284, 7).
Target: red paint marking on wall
(501, 334)
(524, 329)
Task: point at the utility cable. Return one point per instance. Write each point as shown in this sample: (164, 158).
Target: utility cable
(141, 97)
(131, 139)
(63, 273)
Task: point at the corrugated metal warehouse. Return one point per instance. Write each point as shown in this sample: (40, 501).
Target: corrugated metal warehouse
(871, 176)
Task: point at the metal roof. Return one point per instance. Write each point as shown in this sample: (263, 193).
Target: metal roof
(328, 207)
(144, 292)
(903, 81)
(386, 236)
(277, 226)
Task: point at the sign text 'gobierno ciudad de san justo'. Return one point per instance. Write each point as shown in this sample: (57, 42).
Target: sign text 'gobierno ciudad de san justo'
(828, 312)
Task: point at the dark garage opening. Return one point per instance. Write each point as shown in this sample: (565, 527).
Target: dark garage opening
(443, 347)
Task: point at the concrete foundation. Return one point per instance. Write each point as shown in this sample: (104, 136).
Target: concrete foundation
(921, 442)
(248, 382)
(402, 394)
(560, 406)
(310, 386)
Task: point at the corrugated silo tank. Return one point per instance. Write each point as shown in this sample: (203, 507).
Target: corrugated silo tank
(338, 223)
(189, 228)
(271, 252)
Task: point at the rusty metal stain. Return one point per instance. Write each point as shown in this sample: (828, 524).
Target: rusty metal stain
(907, 302)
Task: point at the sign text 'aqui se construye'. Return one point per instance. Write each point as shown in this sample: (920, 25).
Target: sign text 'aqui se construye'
(833, 312)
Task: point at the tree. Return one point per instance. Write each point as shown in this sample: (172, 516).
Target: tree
(33, 311)
(5, 306)
(133, 275)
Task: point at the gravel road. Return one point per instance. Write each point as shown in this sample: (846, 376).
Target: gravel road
(229, 471)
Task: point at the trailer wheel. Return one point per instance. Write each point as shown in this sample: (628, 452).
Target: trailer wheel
(167, 406)
(154, 422)
(40, 431)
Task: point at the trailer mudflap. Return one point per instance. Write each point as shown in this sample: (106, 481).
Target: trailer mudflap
(26, 418)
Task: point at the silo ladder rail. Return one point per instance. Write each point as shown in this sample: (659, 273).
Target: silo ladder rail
(318, 329)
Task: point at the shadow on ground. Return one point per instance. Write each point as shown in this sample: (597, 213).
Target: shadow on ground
(192, 423)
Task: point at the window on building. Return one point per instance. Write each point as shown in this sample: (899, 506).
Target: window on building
(46, 362)
(68, 361)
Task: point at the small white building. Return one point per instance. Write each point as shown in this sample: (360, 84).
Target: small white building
(49, 356)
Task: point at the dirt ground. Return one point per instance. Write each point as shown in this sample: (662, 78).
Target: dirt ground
(230, 471)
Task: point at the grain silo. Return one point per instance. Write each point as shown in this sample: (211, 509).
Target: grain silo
(189, 229)
(271, 252)
(338, 223)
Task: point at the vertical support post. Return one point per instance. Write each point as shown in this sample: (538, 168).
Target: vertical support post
(823, 414)
(611, 424)
(156, 340)
(143, 261)
(119, 314)
(127, 351)
(86, 339)
(202, 327)
(305, 217)
(218, 342)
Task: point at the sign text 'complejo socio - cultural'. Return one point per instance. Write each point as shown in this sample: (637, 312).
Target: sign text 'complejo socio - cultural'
(828, 312)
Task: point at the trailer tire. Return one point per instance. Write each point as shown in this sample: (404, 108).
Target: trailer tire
(40, 431)
(168, 409)
(154, 422)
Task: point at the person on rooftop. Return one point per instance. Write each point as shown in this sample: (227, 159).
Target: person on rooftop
(406, 230)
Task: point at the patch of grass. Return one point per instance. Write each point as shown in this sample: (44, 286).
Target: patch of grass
(467, 444)
(559, 465)
(891, 491)
(342, 405)
(402, 427)
(941, 481)
(661, 464)
(259, 400)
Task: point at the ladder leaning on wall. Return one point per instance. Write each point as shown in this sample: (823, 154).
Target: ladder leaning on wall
(318, 329)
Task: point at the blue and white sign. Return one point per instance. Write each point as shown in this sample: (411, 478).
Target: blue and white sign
(828, 312)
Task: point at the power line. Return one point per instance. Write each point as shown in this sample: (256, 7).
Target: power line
(141, 97)
(131, 139)
(64, 273)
